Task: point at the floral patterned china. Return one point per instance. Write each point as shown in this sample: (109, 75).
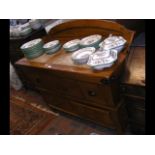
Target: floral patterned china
(72, 45)
(91, 41)
(33, 48)
(101, 60)
(81, 56)
(113, 42)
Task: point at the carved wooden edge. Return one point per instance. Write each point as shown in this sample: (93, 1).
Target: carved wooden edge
(94, 23)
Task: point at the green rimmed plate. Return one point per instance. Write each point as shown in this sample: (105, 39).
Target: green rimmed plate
(72, 45)
(54, 50)
(51, 45)
(35, 55)
(32, 43)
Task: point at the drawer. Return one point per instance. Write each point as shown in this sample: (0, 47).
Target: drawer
(100, 95)
(133, 90)
(135, 102)
(50, 98)
(48, 81)
(99, 116)
(136, 115)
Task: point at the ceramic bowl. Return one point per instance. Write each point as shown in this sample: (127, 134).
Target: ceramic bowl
(91, 41)
(81, 56)
(72, 45)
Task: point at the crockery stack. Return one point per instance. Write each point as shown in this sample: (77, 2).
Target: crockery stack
(25, 29)
(72, 45)
(33, 48)
(15, 31)
(91, 41)
(52, 47)
(35, 24)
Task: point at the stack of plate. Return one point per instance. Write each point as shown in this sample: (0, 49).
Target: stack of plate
(35, 24)
(81, 56)
(25, 31)
(113, 42)
(72, 45)
(15, 31)
(91, 41)
(25, 26)
(33, 48)
(102, 59)
(52, 47)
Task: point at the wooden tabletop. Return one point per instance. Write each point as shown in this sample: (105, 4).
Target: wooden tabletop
(62, 61)
(135, 67)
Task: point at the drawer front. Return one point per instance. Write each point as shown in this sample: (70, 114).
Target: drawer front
(135, 102)
(46, 80)
(136, 115)
(133, 90)
(50, 98)
(99, 95)
(78, 109)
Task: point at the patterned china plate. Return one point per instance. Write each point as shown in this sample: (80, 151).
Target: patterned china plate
(90, 40)
(31, 43)
(81, 56)
(71, 44)
(113, 42)
(51, 44)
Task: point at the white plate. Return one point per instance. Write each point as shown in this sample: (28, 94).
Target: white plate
(51, 44)
(71, 43)
(89, 40)
(31, 43)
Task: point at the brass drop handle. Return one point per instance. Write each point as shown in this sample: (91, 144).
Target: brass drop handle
(91, 93)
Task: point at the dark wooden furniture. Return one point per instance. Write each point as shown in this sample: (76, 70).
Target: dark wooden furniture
(15, 43)
(76, 89)
(134, 89)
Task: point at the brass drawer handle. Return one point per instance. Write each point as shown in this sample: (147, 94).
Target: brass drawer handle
(91, 93)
